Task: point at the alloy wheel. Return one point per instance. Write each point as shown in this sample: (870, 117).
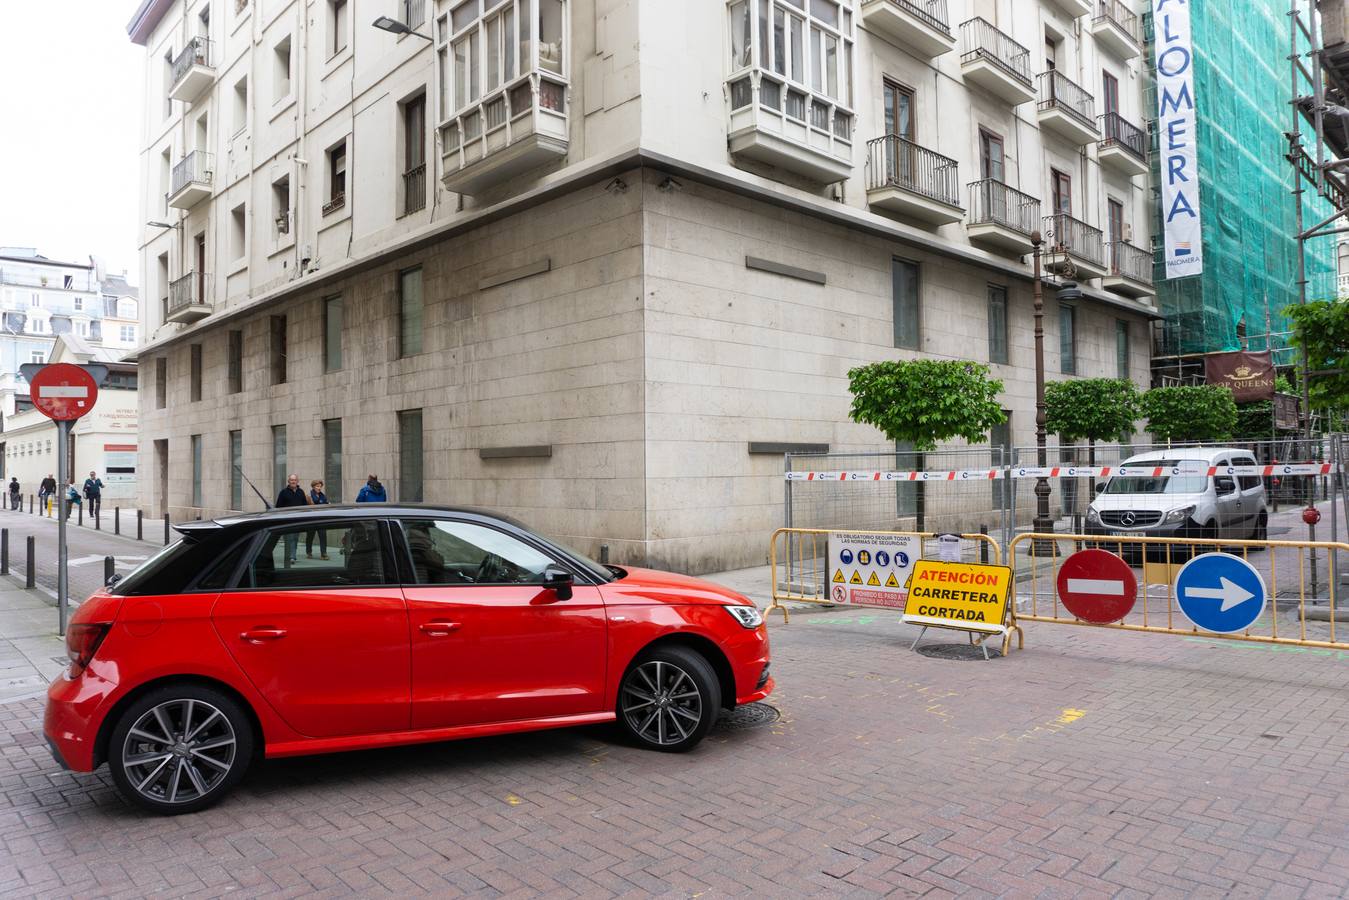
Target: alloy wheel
(179, 751)
(661, 703)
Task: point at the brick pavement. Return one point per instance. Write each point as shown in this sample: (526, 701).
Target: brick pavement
(1092, 764)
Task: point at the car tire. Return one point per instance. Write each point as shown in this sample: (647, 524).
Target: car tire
(668, 699)
(1261, 528)
(180, 748)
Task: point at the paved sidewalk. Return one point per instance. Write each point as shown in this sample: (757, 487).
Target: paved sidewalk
(30, 652)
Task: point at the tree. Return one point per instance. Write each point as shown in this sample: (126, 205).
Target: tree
(1256, 418)
(1091, 409)
(1193, 413)
(1321, 328)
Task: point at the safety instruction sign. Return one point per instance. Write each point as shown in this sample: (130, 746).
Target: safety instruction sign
(965, 596)
(871, 569)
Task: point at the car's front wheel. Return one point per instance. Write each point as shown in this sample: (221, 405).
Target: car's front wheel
(669, 699)
(180, 748)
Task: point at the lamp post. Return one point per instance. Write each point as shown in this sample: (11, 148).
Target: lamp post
(1042, 524)
(393, 26)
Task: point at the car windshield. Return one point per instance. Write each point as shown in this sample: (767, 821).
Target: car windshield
(1166, 484)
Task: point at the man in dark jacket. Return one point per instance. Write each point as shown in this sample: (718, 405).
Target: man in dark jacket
(291, 495)
(15, 493)
(45, 492)
(93, 492)
(372, 491)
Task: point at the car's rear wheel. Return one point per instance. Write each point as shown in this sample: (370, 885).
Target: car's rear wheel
(180, 748)
(669, 699)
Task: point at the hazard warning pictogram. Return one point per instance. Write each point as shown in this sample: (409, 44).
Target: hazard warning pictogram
(838, 576)
(856, 577)
(891, 582)
(873, 581)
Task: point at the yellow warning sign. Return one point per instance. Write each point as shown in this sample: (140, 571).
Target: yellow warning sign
(873, 581)
(856, 577)
(838, 576)
(965, 596)
(891, 582)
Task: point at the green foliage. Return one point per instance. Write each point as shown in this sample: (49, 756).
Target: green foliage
(1092, 409)
(1201, 413)
(1256, 419)
(1322, 329)
(926, 401)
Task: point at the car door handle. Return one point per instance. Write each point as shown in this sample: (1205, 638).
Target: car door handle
(439, 629)
(258, 635)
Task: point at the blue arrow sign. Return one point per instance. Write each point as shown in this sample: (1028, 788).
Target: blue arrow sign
(1220, 592)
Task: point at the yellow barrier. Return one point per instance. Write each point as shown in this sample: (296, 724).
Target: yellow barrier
(1036, 571)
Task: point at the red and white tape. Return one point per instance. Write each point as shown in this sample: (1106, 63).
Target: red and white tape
(1278, 470)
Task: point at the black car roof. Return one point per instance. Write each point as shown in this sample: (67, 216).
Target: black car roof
(339, 511)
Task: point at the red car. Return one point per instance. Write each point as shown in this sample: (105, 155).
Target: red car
(329, 628)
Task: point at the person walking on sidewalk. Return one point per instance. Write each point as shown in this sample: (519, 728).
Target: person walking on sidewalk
(372, 491)
(72, 499)
(15, 493)
(316, 498)
(44, 494)
(291, 495)
(93, 492)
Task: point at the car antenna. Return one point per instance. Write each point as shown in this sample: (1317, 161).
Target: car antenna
(265, 504)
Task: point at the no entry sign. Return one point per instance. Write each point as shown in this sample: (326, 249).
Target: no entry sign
(63, 391)
(1097, 586)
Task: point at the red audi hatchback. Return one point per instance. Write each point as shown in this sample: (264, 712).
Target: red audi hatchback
(332, 628)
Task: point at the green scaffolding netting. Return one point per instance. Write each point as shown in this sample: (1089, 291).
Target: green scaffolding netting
(1243, 93)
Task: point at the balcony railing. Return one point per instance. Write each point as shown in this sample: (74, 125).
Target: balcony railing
(893, 161)
(980, 39)
(1118, 131)
(197, 52)
(1065, 234)
(198, 166)
(994, 203)
(1116, 12)
(333, 205)
(1129, 261)
(190, 290)
(930, 12)
(414, 189)
(1058, 91)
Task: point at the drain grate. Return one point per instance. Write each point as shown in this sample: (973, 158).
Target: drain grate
(751, 715)
(959, 652)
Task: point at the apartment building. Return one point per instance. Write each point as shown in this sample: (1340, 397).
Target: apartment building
(599, 263)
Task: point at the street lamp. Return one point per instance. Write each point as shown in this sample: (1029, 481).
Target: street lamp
(1042, 524)
(393, 26)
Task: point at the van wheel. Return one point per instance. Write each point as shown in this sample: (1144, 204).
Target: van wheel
(668, 699)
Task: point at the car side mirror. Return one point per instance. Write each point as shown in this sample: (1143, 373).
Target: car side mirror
(1100, 487)
(1224, 484)
(559, 581)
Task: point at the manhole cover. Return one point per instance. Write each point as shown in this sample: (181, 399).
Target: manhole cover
(751, 715)
(961, 652)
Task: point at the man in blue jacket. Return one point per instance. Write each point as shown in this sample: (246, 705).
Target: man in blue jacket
(93, 492)
(372, 491)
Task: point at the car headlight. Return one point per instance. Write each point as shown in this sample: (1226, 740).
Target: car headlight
(1178, 515)
(748, 616)
(1093, 517)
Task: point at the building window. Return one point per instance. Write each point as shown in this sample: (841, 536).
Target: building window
(37, 326)
(278, 349)
(281, 207)
(127, 334)
(238, 233)
(234, 361)
(79, 301)
(337, 178)
(332, 333)
(240, 104)
(168, 82)
(39, 357)
(164, 286)
(997, 324)
(337, 26)
(414, 154)
(990, 156)
(35, 299)
(485, 57)
(414, 13)
(906, 303)
(82, 329)
(410, 311)
(332, 459)
(1000, 454)
(196, 372)
(281, 70)
(279, 472)
(410, 455)
(1061, 191)
(126, 309)
(196, 470)
(161, 382)
(236, 470)
(1121, 349)
(1067, 340)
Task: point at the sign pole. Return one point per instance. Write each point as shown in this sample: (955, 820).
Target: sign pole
(62, 585)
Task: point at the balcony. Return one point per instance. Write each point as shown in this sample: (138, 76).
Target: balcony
(912, 182)
(921, 25)
(188, 298)
(518, 127)
(1124, 146)
(192, 178)
(1115, 28)
(1066, 109)
(1072, 8)
(990, 59)
(1130, 270)
(1074, 247)
(191, 71)
(783, 125)
(1001, 218)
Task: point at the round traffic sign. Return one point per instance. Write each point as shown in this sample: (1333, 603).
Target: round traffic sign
(1097, 586)
(1220, 592)
(63, 391)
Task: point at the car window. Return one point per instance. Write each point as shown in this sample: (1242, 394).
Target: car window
(448, 552)
(310, 556)
(221, 575)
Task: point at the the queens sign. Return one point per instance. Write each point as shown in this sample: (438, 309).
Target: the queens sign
(1176, 122)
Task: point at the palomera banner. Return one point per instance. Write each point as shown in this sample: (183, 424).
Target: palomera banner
(1250, 376)
(1176, 125)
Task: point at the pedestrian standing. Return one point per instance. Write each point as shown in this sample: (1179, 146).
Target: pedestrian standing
(44, 494)
(316, 498)
(72, 499)
(15, 493)
(93, 492)
(291, 495)
(372, 491)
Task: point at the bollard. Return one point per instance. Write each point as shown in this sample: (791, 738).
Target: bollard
(30, 504)
(140, 521)
(109, 568)
(1311, 553)
(4, 551)
(79, 515)
(983, 545)
(98, 519)
(29, 579)
(117, 520)
(166, 529)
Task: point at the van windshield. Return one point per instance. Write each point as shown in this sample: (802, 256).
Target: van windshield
(1166, 484)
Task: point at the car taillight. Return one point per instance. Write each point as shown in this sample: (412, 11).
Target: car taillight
(82, 642)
